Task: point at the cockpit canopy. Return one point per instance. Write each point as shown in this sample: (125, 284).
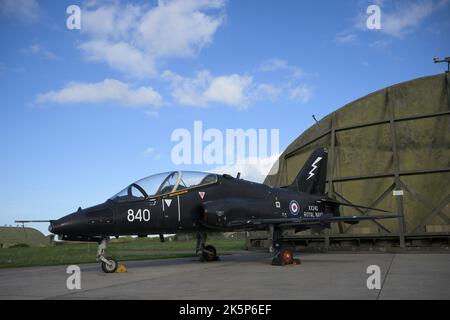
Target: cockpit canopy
(164, 183)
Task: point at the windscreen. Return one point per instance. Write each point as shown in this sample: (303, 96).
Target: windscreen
(164, 183)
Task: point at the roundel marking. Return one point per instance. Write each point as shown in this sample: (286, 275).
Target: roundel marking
(294, 207)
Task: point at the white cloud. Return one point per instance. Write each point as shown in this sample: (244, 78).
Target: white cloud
(398, 19)
(133, 38)
(345, 38)
(252, 169)
(151, 152)
(229, 90)
(405, 18)
(380, 44)
(265, 91)
(302, 93)
(205, 89)
(274, 65)
(22, 10)
(179, 28)
(239, 91)
(38, 49)
(109, 90)
(120, 56)
(111, 20)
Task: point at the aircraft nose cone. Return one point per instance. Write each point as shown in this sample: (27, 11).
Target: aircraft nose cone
(69, 224)
(56, 227)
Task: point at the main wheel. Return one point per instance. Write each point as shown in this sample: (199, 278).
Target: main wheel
(287, 256)
(209, 253)
(111, 266)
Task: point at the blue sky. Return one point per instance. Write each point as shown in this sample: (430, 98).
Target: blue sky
(85, 112)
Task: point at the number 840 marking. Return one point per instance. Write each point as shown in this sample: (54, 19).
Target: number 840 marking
(140, 215)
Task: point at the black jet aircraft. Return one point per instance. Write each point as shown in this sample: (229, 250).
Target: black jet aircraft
(202, 203)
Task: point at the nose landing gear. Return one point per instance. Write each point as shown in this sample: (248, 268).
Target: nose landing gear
(109, 264)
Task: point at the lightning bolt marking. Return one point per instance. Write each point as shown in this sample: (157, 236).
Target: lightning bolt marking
(314, 167)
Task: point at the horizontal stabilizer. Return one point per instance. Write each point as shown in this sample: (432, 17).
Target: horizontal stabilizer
(351, 205)
(352, 219)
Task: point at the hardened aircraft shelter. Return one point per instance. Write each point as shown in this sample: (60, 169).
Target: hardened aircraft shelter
(390, 150)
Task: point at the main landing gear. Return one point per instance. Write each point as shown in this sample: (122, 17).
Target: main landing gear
(207, 253)
(283, 254)
(109, 264)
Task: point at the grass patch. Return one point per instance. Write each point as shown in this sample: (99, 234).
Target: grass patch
(78, 253)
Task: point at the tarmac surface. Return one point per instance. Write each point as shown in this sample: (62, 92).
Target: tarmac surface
(246, 275)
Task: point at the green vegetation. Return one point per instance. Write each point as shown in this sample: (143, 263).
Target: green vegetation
(20, 245)
(123, 250)
(10, 236)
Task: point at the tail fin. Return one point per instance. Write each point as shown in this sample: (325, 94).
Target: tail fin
(312, 177)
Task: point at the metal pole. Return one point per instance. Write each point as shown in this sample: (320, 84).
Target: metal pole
(332, 160)
(396, 167)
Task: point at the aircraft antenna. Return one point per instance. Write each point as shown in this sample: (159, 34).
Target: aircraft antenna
(447, 60)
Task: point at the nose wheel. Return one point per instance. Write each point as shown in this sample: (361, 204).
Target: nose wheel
(109, 264)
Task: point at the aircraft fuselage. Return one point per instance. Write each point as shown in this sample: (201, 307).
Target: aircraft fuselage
(225, 205)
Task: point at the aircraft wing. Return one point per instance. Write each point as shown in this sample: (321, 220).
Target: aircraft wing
(345, 219)
(293, 222)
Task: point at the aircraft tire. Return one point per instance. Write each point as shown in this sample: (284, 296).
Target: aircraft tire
(287, 256)
(110, 268)
(209, 253)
